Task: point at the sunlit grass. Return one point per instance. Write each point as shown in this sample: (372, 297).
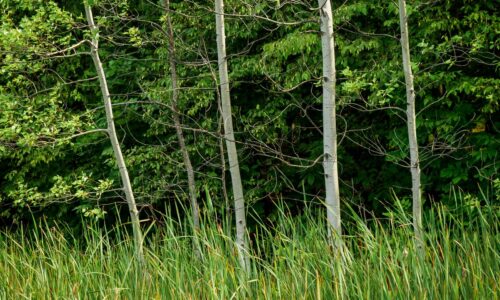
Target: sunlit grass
(290, 260)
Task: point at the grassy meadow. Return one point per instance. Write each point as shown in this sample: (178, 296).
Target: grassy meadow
(290, 260)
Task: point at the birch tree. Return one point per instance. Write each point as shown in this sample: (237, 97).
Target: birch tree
(234, 169)
(412, 128)
(177, 123)
(111, 131)
(330, 162)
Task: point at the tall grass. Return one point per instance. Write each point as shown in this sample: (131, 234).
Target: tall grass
(290, 259)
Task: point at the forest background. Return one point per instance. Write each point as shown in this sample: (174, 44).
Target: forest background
(66, 203)
(49, 99)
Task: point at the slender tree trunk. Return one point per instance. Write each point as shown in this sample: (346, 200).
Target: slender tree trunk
(412, 129)
(234, 169)
(177, 123)
(221, 149)
(223, 175)
(330, 163)
(220, 132)
(127, 187)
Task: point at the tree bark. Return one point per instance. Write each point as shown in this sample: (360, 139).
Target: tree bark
(412, 129)
(177, 123)
(127, 187)
(234, 169)
(330, 162)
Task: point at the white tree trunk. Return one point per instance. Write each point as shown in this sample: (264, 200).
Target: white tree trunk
(412, 129)
(330, 162)
(234, 169)
(127, 187)
(177, 123)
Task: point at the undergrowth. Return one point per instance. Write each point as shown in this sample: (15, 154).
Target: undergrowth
(290, 260)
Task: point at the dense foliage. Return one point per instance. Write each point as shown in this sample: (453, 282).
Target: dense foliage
(49, 99)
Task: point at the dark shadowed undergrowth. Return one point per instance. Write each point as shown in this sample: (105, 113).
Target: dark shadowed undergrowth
(290, 260)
